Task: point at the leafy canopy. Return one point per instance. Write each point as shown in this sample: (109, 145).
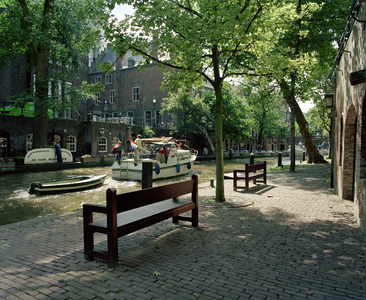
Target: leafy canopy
(192, 113)
(266, 109)
(235, 123)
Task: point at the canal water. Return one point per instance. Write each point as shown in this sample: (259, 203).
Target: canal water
(16, 204)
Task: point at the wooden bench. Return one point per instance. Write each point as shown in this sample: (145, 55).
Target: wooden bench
(250, 173)
(129, 212)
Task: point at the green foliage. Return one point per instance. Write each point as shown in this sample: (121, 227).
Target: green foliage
(318, 118)
(191, 111)
(214, 40)
(54, 37)
(266, 110)
(147, 132)
(235, 123)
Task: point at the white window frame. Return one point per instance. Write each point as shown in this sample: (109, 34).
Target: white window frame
(67, 113)
(102, 144)
(71, 143)
(98, 101)
(98, 79)
(112, 96)
(108, 79)
(135, 93)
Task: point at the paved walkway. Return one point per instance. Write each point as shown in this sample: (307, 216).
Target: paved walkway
(290, 239)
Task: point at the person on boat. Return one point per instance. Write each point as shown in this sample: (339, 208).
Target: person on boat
(161, 155)
(117, 149)
(138, 142)
(166, 154)
(58, 152)
(140, 149)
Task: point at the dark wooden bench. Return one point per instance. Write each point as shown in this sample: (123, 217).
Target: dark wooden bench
(129, 212)
(250, 173)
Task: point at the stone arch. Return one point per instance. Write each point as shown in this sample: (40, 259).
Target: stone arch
(349, 150)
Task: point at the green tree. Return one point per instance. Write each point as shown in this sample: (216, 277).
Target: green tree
(318, 24)
(205, 39)
(235, 125)
(190, 110)
(148, 132)
(318, 120)
(54, 36)
(265, 110)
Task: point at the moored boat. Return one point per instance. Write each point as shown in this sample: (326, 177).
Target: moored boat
(166, 155)
(68, 185)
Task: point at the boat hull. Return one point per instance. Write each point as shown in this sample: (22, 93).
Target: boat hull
(70, 185)
(132, 170)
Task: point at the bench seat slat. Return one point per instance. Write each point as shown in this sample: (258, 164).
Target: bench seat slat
(132, 200)
(130, 216)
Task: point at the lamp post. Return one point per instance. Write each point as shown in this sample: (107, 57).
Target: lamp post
(329, 103)
(329, 100)
(154, 101)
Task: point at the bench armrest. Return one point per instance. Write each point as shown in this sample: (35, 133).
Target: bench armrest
(95, 208)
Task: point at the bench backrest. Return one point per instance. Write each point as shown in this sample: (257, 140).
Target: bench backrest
(135, 199)
(253, 168)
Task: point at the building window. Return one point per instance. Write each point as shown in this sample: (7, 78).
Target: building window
(71, 143)
(112, 97)
(97, 101)
(29, 142)
(135, 93)
(108, 79)
(102, 145)
(130, 117)
(98, 79)
(34, 84)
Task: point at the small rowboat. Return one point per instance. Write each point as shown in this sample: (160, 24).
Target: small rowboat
(69, 185)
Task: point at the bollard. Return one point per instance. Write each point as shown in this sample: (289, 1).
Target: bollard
(147, 174)
(212, 183)
(303, 156)
(279, 164)
(251, 159)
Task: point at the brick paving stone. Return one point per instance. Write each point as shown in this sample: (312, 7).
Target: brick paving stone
(275, 241)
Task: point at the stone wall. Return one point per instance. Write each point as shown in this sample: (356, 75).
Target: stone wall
(349, 161)
(87, 134)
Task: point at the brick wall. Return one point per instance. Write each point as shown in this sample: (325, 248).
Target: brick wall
(350, 124)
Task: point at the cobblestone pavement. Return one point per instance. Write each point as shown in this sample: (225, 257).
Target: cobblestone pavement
(290, 239)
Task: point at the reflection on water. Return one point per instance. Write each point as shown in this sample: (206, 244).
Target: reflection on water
(16, 204)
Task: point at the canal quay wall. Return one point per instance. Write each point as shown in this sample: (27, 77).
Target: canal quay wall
(88, 162)
(290, 239)
(105, 160)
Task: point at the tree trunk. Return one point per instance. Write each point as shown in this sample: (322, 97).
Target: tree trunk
(41, 92)
(220, 188)
(313, 153)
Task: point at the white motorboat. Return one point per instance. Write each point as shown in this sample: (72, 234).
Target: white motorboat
(174, 162)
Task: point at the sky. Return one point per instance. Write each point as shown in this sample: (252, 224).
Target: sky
(121, 10)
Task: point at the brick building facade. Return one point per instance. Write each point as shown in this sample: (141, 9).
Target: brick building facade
(349, 115)
(129, 91)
